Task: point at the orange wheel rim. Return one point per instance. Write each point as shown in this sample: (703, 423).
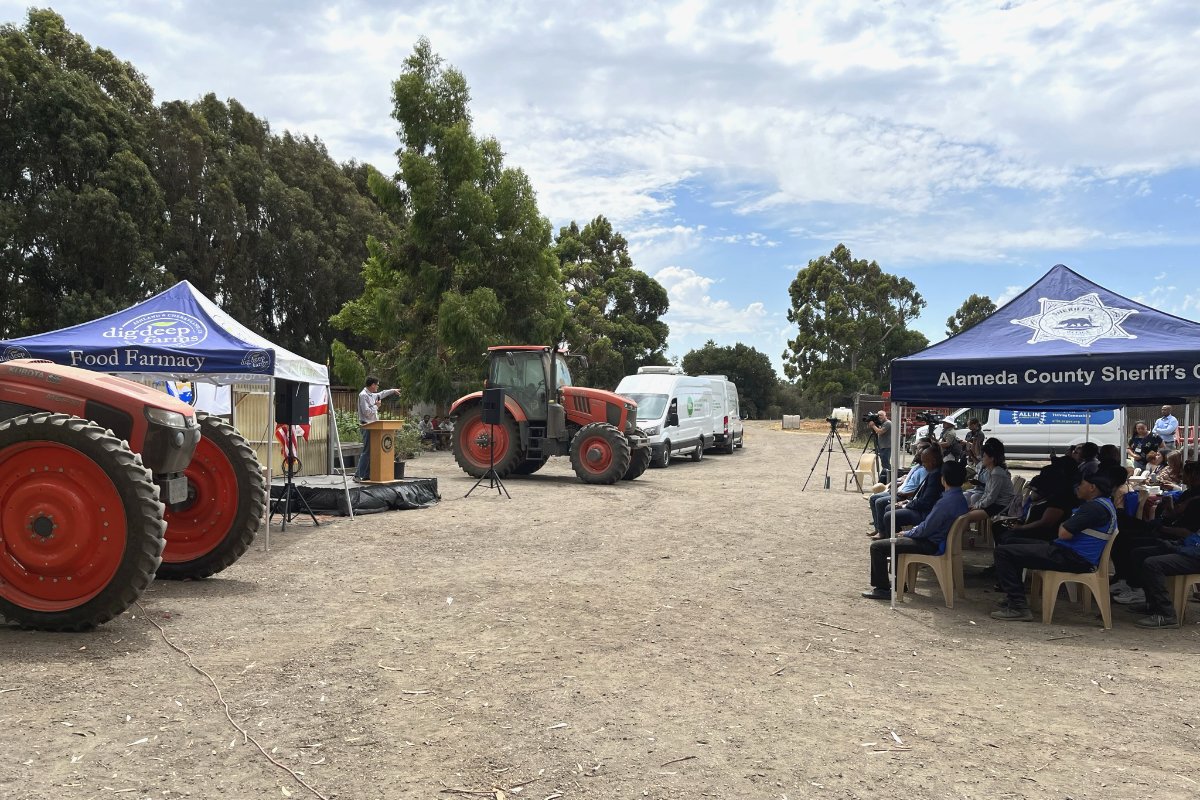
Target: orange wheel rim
(596, 453)
(475, 438)
(62, 527)
(203, 522)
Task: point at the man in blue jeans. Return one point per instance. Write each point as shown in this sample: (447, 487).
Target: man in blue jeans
(368, 411)
(927, 538)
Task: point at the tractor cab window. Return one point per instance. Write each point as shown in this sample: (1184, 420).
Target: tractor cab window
(517, 370)
(564, 372)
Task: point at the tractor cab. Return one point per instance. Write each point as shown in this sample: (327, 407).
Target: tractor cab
(525, 372)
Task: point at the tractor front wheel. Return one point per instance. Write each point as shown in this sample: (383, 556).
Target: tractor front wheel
(81, 528)
(476, 444)
(600, 453)
(639, 460)
(224, 508)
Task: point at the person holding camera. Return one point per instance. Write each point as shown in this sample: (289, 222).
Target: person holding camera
(881, 426)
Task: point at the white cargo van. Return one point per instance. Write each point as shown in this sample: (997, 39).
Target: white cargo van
(1031, 433)
(727, 415)
(674, 410)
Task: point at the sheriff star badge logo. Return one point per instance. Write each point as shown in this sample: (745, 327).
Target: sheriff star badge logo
(1083, 320)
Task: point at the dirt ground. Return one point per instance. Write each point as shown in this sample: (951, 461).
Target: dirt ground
(695, 633)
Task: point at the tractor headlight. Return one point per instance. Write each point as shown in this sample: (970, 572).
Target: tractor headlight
(162, 416)
(651, 430)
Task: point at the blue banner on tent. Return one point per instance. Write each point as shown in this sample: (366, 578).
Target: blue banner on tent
(171, 332)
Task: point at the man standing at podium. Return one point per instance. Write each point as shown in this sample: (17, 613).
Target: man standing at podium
(368, 411)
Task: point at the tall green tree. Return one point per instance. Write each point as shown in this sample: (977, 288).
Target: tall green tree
(751, 370)
(269, 226)
(852, 320)
(615, 309)
(472, 265)
(974, 309)
(80, 211)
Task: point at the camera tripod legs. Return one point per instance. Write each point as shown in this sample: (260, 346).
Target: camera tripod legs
(827, 450)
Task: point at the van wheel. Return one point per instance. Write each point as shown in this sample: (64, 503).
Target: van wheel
(664, 459)
(698, 453)
(728, 449)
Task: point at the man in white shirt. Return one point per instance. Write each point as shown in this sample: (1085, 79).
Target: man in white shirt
(1165, 428)
(368, 411)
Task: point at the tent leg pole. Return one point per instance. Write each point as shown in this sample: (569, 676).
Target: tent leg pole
(341, 454)
(270, 448)
(897, 412)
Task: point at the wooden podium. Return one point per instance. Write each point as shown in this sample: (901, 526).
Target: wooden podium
(383, 450)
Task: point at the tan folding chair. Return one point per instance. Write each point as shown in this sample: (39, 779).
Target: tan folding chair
(1047, 582)
(864, 474)
(948, 567)
(1180, 586)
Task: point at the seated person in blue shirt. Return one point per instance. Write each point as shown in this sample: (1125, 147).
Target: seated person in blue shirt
(1080, 543)
(913, 511)
(906, 488)
(927, 538)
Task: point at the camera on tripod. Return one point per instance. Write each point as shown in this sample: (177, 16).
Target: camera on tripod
(929, 418)
(872, 418)
(834, 422)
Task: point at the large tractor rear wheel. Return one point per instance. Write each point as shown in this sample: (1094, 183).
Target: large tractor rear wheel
(81, 528)
(224, 509)
(639, 460)
(471, 444)
(600, 453)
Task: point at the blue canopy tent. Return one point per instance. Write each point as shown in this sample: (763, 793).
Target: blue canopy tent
(182, 335)
(1064, 342)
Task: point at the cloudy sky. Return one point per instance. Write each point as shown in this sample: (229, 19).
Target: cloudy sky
(969, 145)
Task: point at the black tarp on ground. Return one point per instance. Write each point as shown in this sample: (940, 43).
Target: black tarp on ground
(325, 495)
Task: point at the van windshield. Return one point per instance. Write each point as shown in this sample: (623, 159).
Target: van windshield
(649, 406)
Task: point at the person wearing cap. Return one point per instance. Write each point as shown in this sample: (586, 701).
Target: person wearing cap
(1080, 543)
(952, 447)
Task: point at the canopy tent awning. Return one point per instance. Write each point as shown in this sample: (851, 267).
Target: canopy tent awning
(182, 335)
(1064, 340)
(178, 333)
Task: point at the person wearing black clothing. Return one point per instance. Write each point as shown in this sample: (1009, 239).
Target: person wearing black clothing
(1051, 500)
(1141, 443)
(883, 434)
(1141, 539)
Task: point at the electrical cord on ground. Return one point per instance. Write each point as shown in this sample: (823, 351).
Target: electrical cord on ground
(225, 705)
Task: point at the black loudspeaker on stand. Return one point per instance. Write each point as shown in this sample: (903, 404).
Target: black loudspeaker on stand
(291, 403)
(492, 414)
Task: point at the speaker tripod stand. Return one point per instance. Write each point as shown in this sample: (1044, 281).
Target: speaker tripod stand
(827, 451)
(284, 505)
(492, 476)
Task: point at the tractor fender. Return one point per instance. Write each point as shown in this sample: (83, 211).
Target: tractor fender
(510, 405)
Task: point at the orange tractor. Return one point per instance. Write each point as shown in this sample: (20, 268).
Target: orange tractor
(94, 472)
(544, 415)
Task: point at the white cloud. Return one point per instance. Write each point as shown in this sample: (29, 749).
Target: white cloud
(1009, 293)
(695, 312)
